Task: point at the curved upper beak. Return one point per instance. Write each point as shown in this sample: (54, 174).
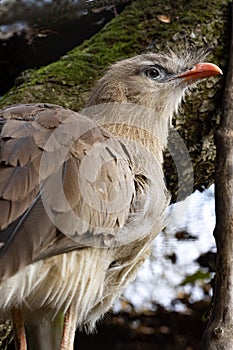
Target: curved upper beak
(200, 71)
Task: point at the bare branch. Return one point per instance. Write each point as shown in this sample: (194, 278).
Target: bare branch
(219, 332)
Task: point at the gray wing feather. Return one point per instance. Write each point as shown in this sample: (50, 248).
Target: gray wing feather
(63, 181)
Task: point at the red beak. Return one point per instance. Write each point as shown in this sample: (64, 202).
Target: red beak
(200, 71)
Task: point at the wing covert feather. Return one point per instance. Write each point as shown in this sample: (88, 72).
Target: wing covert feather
(60, 173)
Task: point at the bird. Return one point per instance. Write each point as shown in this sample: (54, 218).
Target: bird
(83, 195)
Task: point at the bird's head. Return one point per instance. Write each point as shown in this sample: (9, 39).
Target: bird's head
(156, 81)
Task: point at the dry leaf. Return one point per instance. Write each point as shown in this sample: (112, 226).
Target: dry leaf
(164, 18)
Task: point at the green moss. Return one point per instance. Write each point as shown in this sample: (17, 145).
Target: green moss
(67, 81)
(137, 29)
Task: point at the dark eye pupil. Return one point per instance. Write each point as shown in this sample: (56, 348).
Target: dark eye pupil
(152, 73)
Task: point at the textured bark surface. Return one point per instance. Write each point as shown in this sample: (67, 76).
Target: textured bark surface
(138, 29)
(219, 332)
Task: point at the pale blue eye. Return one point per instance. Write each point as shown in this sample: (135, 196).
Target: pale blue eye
(152, 73)
(156, 73)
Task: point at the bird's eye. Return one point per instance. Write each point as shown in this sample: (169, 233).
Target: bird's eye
(157, 73)
(152, 73)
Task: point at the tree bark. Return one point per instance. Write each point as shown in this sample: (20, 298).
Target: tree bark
(219, 332)
(138, 29)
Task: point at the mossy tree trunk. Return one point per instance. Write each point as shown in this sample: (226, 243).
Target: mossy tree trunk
(138, 29)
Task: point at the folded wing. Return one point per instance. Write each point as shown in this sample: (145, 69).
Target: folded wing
(64, 183)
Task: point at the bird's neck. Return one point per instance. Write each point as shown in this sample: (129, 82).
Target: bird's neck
(132, 122)
(137, 137)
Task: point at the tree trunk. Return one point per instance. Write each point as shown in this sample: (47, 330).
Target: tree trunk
(136, 30)
(219, 332)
